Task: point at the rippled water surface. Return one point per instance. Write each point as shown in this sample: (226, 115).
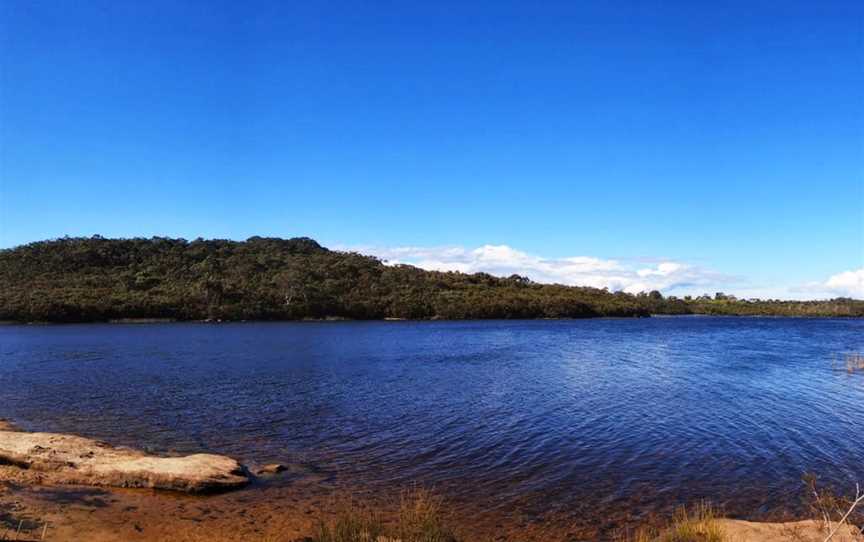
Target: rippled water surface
(571, 415)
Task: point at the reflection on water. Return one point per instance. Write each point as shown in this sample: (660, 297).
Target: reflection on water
(576, 416)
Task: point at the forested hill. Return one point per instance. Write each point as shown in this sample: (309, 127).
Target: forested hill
(97, 279)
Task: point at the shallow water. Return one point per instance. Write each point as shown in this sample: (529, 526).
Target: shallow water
(581, 417)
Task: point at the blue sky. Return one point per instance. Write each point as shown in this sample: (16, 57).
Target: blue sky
(725, 138)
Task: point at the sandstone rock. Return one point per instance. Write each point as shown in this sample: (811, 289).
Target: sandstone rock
(799, 531)
(69, 459)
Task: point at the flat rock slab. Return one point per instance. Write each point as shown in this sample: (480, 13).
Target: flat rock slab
(69, 459)
(798, 531)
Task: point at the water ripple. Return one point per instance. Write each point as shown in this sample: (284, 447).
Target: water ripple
(556, 415)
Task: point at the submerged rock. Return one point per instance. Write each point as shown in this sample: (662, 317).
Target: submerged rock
(272, 468)
(6, 425)
(69, 459)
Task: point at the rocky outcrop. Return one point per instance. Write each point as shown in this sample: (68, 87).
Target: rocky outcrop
(69, 459)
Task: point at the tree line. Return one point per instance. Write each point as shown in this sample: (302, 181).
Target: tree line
(98, 279)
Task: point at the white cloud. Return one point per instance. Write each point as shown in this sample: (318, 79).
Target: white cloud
(844, 284)
(847, 283)
(663, 270)
(632, 276)
(503, 260)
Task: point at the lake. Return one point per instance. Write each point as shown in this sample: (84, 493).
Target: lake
(578, 418)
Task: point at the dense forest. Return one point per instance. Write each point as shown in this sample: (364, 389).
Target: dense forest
(99, 279)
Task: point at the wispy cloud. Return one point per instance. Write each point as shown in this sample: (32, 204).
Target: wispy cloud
(503, 260)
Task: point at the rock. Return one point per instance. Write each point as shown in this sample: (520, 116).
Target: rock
(801, 531)
(272, 468)
(69, 459)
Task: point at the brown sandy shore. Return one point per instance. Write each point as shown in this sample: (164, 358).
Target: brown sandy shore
(70, 484)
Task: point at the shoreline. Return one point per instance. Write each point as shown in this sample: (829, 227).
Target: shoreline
(259, 511)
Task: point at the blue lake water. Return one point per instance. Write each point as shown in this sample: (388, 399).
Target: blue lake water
(576, 416)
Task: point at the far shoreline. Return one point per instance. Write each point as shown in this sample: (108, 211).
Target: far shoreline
(339, 319)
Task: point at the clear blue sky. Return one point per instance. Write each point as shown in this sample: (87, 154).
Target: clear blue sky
(728, 135)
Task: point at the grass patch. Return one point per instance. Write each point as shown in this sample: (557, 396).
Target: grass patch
(418, 519)
(355, 522)
(695, 524)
